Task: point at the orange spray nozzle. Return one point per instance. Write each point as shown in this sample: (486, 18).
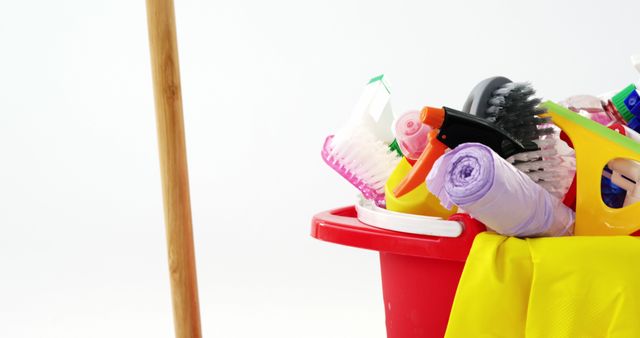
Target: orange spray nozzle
(423, 165)
(433, 117)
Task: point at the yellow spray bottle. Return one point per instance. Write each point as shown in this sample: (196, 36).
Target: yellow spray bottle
(418, 201)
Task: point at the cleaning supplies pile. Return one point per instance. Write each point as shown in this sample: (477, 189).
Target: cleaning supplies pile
(506, 159)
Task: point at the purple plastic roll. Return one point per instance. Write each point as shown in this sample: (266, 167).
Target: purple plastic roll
(489, 188)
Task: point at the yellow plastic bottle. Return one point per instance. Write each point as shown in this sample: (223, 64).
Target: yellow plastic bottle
(418, 201)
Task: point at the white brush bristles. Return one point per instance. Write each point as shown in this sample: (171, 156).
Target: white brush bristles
(369, 159)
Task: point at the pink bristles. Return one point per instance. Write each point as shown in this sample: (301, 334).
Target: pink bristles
(335, 160)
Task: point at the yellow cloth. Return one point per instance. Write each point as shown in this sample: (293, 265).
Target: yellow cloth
(574, 287)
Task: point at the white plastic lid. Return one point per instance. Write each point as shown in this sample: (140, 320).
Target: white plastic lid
(370, 214)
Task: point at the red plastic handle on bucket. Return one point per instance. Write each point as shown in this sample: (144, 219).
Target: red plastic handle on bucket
(341, 226)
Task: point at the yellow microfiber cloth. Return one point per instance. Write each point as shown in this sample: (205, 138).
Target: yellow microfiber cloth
(575, 287)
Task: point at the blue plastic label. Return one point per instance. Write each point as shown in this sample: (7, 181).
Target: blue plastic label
(634, 124)
(635, 110)
(632, 101)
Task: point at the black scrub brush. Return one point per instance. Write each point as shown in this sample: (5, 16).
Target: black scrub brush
(514, 107)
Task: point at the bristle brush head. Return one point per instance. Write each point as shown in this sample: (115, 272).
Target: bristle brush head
(363, 160)
(514, 108)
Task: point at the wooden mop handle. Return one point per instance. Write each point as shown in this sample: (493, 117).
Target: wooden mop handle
(173, 164)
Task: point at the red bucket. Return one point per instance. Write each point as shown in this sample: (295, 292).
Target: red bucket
(420, 273)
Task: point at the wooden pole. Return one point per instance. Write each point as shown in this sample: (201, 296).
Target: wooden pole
(173, 164)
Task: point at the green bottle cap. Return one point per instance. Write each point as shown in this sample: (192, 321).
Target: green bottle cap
(395, 147)
(618, 102)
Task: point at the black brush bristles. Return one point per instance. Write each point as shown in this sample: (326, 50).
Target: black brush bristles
(514, 108)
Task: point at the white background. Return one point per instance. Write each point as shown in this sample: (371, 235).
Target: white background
(82, 247)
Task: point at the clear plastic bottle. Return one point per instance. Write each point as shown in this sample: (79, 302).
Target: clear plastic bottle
(592, 108)
(608, 109)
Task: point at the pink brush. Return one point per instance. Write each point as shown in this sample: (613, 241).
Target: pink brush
(363, 161)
